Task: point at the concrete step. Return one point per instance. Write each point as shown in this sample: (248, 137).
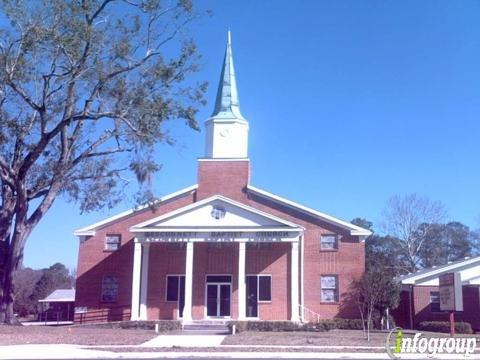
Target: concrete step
(217, 327)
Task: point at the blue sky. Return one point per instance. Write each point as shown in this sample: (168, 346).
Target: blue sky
(349, 103)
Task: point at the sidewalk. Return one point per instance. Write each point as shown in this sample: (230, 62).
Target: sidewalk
(80, 352)
(194, 341)
(201, 346)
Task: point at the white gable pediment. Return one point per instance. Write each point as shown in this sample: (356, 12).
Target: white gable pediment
(215, 213)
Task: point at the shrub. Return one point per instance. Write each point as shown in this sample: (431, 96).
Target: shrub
(323, 325)
(348, 324)
(444, 326)
(163, 325)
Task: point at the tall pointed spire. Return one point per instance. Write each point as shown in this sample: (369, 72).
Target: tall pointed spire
(227, 105)
(226, 131)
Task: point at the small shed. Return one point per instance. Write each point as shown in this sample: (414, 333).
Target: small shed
(58, 306)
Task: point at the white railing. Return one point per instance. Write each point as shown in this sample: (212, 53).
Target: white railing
(307, 315)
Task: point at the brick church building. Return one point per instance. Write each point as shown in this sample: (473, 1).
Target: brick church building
(219, 249)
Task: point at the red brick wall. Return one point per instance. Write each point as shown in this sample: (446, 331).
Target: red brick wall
(471, 306)
(227, 178)
(402, 313)
(94, 262)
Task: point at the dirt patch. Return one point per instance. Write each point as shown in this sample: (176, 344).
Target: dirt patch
(17, 335)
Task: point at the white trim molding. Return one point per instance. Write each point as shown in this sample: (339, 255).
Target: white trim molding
(90, 230)
(354, 230)
(468, 268)
(146, 225)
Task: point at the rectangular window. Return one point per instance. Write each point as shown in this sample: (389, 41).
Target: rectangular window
(263, 287)
(328, 242)
(435, 301)
(329, 288)
(109, 289)
(219, 278)
(175, 284)
(112, 242)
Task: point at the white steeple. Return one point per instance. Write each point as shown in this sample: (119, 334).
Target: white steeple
(227, 129)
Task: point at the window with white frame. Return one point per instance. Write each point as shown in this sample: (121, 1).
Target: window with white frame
(109, 289)
(260, 286)
(329, 288)
(175, 287)
(329, 242)
(112, 242)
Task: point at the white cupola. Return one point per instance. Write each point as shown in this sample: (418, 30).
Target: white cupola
(227, 129)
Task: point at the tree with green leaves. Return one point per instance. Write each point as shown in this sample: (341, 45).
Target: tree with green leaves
(86, 87)
(374, 293)
(446, 242)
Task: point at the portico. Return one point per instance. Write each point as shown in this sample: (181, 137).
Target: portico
(218, 222)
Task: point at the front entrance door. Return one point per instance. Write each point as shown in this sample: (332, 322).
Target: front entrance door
(218, 300)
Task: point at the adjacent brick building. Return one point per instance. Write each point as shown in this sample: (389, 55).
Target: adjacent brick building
(221, 248)
(420, 298)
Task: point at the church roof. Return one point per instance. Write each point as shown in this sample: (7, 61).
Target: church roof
(227, 105)
(469, 268)
(353, 229)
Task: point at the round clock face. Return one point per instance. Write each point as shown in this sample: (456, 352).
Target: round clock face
(224, 132)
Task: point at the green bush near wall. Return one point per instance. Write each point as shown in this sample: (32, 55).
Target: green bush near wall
(323, 325)
(444, 327)
(163, 325)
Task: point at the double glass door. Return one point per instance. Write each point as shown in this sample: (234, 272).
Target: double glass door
(218, 299)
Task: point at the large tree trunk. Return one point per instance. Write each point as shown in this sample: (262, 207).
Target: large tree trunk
(6, 282)
(6, 301)
(15, 244)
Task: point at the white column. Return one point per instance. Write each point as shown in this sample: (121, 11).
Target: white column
(144, 282)
(294, 282)
(137, 266)
(187, 310)
(241, 282)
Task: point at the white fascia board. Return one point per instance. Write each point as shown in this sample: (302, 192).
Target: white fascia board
(56, 300)
(354, 229)
(412, 279)
(84, 233)
(206, 201)
(90, 230)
